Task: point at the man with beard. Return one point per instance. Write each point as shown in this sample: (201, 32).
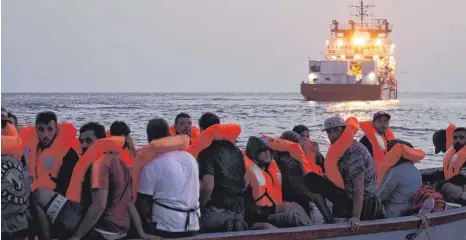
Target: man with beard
(105, 209)
(51, 156)
(183, 124)
(89, 133)
(454, 189)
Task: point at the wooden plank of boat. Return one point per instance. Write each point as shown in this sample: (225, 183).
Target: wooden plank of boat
(445, 225)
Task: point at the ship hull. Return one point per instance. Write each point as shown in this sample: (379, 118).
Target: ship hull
(346, 92)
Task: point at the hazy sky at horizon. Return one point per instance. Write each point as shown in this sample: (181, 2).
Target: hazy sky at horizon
(212, 45)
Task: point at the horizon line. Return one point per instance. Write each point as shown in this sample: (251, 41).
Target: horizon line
(185, 92)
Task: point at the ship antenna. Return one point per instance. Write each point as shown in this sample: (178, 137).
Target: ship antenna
(361, 11)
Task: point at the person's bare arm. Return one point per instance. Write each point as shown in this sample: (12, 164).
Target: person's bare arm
(93, 213)
(358, 196)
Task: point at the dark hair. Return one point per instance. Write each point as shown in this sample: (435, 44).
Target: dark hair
(460, 129)
(300, 129)
(208, 119)
(46, 117)
(181, 115)
(119, 128)
(11, 115)
(157, 128)
(99, 129)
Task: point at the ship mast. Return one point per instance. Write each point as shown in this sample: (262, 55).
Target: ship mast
(361, 12)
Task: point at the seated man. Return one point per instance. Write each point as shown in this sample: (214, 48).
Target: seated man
(15, 187)
(168, 193)
(293, 188)
(304, 134)
(263, 198)
(399, 184)
(358, 200)
(107, 213)
(454, 189)
(222, 171)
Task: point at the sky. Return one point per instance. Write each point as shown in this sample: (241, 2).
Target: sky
(212, 45)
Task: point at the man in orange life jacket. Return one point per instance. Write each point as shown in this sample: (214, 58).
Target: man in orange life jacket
(454, 189)
(47, 131)
(103, 213)
(358, 200)
(263, 197)
(304, 133)
(169, 210)
(15, 188)
(399, 184)
(121, 129)
(381, 123)
(183, 124)
(293, 188)
(222, 172)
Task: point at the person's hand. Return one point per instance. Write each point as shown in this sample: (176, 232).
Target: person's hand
(284, 207)
(354, 223)
(316, 148)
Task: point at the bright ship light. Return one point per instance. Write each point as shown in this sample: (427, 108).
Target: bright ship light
(378, 42)
(359, 41)
(340, 42)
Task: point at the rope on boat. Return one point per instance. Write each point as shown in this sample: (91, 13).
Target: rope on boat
(425, 223)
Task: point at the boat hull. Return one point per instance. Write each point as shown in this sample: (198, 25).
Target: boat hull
(447, 225)
(346, 92)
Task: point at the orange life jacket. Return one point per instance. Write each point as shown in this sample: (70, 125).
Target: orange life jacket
(46, 164)
(27, 132)
(147, 153)
(378, 142)
(95, 152)
(11, 142)
(295, 151)
(266, 186)
(229, 131)
(337, 150)
(311, 157)
(394, 155)
(125, 154)
(195, 133)
(449, 132)
(453, 162)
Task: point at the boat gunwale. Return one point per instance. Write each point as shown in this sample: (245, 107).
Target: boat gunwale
(342, 229)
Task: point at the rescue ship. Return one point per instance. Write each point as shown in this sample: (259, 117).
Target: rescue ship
(359, 64)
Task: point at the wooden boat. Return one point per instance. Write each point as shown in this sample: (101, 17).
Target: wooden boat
(446, 225)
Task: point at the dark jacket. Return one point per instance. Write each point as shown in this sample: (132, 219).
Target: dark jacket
(224, 161)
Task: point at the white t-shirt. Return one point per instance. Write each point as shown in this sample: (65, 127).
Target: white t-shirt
(173, 179)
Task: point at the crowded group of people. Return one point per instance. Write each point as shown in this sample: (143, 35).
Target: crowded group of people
(189, 180)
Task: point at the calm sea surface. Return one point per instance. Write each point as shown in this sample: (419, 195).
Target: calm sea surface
(415, 116)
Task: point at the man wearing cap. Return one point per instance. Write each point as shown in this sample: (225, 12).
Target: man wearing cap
(358, 200)
(376, 135)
